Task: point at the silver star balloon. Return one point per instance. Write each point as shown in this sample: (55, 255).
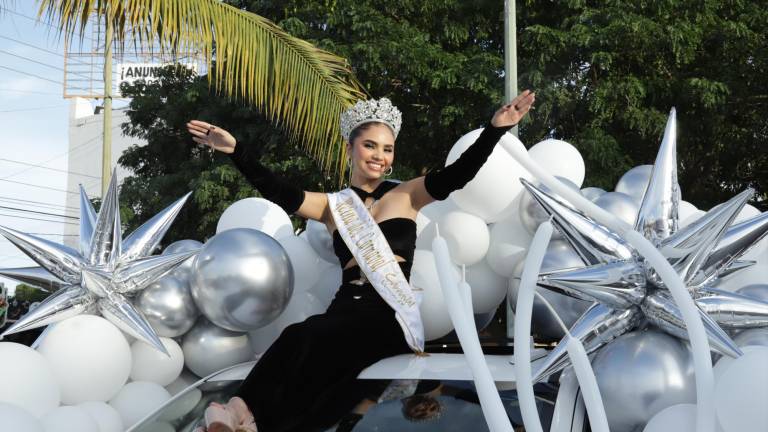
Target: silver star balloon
(103, 273)
(627, 291)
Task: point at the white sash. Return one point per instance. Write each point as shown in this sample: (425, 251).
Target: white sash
(365, 240)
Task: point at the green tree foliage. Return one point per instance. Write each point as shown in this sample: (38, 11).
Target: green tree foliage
(606, 75)
(29, 293)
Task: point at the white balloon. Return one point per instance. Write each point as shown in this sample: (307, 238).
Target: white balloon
(678, 418)
(559, 158)
(327, 283)
(149, 364)
(16, 418)
(89, 356)
(138, 399)
(434, 312)
(69, 419)
(305, 261)
(428, 217)
(488, 288)
(690, 218)
(635, 181)
(106, 417)
(685, 210)
(742, 391)
(301, 307)
(508, 246)
(27, 380)
(619, 204)
(490, 193)
(592, 193)
(321, 241)
(724, 362)
(256, 213)
(747, 212)
(466, 235)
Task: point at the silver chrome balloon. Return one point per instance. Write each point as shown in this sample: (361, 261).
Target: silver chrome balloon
(592, 193)
(184, 269)
(147, 237)
(734, 311)
(168, 306)
(64, 303)
(756, 291)
(531, 212)
(635, 181)
(97, 274)
(36, 276)
(755, 336)
(209, 348)
(619, 284)
(640, 374)
(598, 326)
(658, 215)
(704, 251)
(242, 279)
(87, 222)
(594, 243)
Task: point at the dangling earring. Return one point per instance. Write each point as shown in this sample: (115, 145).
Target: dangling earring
(387, 174)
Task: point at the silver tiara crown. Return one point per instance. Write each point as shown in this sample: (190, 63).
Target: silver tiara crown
(368, 111)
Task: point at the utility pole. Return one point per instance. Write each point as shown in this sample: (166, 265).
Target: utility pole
(510, 92)
(510, 53)
(106, 162)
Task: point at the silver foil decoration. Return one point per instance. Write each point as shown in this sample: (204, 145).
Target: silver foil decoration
(36, 276)
(701, 253)
(97, 276)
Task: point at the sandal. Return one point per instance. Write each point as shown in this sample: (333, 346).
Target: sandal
(219, 419)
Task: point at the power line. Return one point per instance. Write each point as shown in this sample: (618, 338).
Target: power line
(83, 144)
(37, 203)
(41, 187)
(37, 219)
(48, 168)
(36, 20)
(40, 212)
(32, 109)
(31, 74)
(29, 91)
(31, 60)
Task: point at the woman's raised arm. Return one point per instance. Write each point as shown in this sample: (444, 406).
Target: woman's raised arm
(438, 184)
(292, 199)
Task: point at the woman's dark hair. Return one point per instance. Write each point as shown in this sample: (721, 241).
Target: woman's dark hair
(358, 130)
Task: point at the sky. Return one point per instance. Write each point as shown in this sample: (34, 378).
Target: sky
(34, 124)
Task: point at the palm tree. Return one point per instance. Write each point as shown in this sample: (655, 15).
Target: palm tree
(297, 86)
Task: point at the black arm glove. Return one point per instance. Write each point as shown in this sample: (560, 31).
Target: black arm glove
(271, 186)
(440, 183)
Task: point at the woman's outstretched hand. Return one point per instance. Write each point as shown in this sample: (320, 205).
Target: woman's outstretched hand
(211, 136)
(511, 113)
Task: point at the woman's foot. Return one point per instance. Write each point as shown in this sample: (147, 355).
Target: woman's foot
(243, 416)
(219, 419)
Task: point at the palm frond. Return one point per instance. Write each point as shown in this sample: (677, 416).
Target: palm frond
(296, 85)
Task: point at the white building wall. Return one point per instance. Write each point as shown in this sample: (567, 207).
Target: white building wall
(85, 154)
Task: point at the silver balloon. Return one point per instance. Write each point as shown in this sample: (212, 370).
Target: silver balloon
(592, 193)
(641, 373)
(559, 256)
(755, 291)
(184, 269)
(168, 306)
(242, 279)
(531, 212)
(37, 276)
(635, 181)
(208, 348)
(755, 336)
(620, 205)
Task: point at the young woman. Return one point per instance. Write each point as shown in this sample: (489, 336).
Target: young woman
(307, 379)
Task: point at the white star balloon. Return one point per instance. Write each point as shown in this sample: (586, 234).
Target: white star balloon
(102, 275)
